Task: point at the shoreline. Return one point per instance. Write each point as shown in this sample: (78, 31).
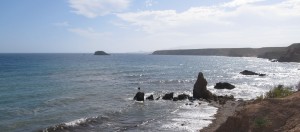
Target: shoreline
(224, 111)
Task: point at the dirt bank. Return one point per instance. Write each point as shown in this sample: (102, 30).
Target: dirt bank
(269, 115)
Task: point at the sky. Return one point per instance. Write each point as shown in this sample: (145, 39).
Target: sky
(125, 26)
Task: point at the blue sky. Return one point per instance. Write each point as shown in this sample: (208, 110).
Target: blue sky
(119, 26)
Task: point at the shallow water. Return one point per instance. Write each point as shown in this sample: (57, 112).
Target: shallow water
(84, 92)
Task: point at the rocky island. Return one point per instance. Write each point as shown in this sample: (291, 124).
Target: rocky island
(100, 53)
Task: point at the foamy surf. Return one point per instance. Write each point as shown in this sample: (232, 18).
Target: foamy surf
(191, 117)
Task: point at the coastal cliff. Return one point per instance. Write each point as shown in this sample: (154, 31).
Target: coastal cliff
(233, 52)
(282, 54)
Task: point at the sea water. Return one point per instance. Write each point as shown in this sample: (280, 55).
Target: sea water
(83, 92)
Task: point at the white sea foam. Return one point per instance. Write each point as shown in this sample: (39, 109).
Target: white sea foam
(191, 117)
(76, 122)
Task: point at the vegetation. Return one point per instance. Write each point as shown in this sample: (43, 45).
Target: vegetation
(261, 122)
(277, 92)
(298, 86)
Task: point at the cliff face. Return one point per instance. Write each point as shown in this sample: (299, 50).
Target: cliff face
(292, 54)
(233, 52)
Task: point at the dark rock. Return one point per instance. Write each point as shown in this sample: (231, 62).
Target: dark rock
(100, 53)
(150, 97)
(224, 85)
(183, 97)
(200, 90)
(168, 96)
(157, 98)
(139, 96)
(262, 75)
(175, 99)
(246, 72)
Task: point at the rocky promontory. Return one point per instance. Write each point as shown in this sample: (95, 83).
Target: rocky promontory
(100, 53)
(282, 54)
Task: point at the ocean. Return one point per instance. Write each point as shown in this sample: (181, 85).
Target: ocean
(83, 92)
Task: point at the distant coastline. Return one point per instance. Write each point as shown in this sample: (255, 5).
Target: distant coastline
(282, 54)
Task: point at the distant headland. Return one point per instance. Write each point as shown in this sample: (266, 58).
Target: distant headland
(100, 53)
(282, 54)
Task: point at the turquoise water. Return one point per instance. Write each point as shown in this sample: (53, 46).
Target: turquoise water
(94, 93)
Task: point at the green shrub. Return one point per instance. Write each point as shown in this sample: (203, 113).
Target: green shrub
(279, 92)
(261, 122)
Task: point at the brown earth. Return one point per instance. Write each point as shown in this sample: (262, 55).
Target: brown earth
(268, 115)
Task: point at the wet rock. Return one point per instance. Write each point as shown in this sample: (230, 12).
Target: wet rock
(139, 96)
(150, 97)
(183, 96)
(168, 96)
(200, 90)
(224, 85)
(175, 99)
(246, 72)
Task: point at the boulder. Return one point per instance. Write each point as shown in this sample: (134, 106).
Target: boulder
(168, 96)
(150, 97)
(246, 72)
(139, 96)
(224, 85)
(183, 97)
(200, 90)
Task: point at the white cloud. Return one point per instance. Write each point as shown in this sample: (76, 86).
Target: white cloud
(89, 33)
(94, 8)
(236, 3)
(250, 22)
(214, 16)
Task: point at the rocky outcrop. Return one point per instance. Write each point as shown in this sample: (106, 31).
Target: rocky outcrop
(100, 53)
(292, 54)
(246, 72)
(224, 85)
(139, 96)
(150, 97)
(200, 90)
(168, 96)
(269, 115)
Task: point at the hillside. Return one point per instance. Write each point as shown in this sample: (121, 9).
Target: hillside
(279, 114)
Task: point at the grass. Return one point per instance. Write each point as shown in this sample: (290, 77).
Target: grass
(261, 122)
(279, 91)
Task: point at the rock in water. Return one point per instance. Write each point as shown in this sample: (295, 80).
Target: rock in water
(224, 85)
(200, 90)
(246, 72)
(100, 53)
(150, 97)
(183, 97)
(139, 96)
(168, 96)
